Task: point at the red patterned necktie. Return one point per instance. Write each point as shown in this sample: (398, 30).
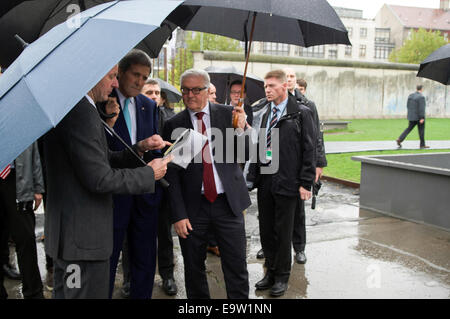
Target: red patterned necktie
(5, 172)
(209, 184)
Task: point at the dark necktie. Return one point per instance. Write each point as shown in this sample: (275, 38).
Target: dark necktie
(273, 122)
(209, 184)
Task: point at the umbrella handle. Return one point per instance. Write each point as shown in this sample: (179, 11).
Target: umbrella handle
(241, 99)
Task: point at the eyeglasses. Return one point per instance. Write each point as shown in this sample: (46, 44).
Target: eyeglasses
(195, 91)
(235, 92)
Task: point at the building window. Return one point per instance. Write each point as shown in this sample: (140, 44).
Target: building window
(362, 51)
(317, 51)
(276, 48)
(332, 54)
(363, 33)
(382, 35)
(350, 31)
(382, 52)
(348, 51)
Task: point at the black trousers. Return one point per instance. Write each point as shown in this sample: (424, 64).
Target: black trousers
(299, 234)
(230, 235)
(21, 225)
(276, 220)
(420, 127)
(165, 240)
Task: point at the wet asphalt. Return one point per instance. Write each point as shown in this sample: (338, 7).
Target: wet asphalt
(352, 253)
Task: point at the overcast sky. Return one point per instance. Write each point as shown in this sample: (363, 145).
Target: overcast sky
(371, 7)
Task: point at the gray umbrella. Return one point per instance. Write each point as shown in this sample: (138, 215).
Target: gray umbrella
(222, 77)
(437, 66)
(173, 95)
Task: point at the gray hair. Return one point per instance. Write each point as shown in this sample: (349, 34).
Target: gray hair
(152, 82)
(133, 57)
(196, 73)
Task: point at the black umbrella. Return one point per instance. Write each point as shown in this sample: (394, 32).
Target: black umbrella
(8, 5)
(437, 66)
(299, 22)
(172, 93)
(222, 77)
(31, 19)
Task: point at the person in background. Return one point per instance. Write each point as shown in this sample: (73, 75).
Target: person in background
(212, 93)
(235, 94)
(166, 263)
(23, 185)
(416, 116)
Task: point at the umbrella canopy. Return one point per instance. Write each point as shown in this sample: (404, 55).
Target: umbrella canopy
(437, 66)
(8, 5)
(32, 19)
(57, 70)
(173, 95)
(222, 77)
(299, 22)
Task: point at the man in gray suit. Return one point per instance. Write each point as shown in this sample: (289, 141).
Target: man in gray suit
(82, 175)
(416, 116)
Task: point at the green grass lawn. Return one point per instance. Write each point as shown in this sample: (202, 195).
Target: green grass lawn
(386, 130)
(343, 167)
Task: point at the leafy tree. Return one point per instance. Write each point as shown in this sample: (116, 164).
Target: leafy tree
(197, 41)
(418, 46)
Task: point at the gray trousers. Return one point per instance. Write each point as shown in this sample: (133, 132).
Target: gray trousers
(81, 279)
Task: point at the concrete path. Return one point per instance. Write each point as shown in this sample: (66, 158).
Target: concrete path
(351, 253)
(348, 147)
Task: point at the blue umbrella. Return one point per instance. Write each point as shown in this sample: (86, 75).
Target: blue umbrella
(53, 73)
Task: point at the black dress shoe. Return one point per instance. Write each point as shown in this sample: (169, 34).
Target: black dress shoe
(260, 254)
(170, 287)
(278, 289)
(265, 283)
(300, 257)
(11, 272)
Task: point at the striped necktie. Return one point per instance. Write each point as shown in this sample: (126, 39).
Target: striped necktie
(5, 172)
(273, 122)
(126, 115)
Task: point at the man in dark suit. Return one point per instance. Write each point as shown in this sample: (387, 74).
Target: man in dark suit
(416, 116)
(279, 189)
(166, 264)
(82, 175)
(210, 194)
(135, 216)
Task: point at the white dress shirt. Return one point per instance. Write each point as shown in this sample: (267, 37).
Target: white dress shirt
(131, 111)
(207, 121)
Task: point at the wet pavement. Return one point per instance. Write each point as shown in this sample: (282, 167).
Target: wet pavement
(364, 146)
(351, 253)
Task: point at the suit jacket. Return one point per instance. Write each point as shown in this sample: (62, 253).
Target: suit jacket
(82, 175)
(146, 126)
(185, 185)
(416, 106)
